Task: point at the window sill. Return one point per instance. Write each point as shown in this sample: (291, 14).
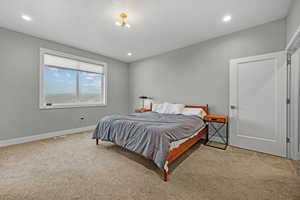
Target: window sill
(42, 107)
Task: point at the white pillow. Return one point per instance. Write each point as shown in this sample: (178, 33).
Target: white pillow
(194, 111)
(174, 108)
(157, 107)
(168, 108)
(164, 107)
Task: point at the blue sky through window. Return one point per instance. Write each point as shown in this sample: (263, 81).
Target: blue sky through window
(59, 81)
(60, 86)
(90, 83)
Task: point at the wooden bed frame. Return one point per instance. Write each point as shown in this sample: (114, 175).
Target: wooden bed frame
(175, 153)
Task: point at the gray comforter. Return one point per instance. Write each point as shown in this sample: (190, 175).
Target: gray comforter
(148, 134)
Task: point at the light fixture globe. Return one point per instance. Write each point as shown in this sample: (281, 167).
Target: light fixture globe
(123, 15)
(122, 23)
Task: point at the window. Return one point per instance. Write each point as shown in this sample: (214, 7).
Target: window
(71, 81)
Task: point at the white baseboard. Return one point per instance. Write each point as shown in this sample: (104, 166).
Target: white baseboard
(32, 138)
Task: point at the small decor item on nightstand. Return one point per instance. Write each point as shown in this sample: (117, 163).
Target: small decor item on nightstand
(211, 121)
(143, 100)
(144, 108)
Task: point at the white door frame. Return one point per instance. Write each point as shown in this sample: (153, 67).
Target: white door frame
(294, 109)
(291, 48)
(261, 57)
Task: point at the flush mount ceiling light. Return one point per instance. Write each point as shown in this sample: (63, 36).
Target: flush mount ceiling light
(26, 18)
(122, 23)
(227, 18)
(129, 54)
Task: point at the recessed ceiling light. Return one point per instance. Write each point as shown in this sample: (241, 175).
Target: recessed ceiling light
(227, 18)
(129, 54)
(26, 18)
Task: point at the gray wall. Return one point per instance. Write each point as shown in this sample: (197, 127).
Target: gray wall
(293, 19)
(199, 74)
(19, 104)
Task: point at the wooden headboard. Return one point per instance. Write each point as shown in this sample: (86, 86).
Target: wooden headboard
(205, 108)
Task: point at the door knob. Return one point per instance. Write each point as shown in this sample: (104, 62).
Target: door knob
(232, 107)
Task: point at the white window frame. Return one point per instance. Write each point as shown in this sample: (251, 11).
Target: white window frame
(42, 105)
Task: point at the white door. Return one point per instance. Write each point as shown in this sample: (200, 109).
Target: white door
(258, 92)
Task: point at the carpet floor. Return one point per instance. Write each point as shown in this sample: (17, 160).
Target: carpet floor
(73, 167)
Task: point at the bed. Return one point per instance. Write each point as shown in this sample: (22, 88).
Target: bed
(159, 137)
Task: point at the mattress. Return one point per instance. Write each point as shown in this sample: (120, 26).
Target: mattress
(177, 143)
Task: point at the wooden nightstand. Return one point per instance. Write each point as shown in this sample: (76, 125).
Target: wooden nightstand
(141, 110)
(211, 120)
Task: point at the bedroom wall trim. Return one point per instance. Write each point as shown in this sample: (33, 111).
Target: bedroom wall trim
(20, 140)
(294, 42)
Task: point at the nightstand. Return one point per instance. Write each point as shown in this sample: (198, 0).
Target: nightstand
(141, 110)
(211, 121)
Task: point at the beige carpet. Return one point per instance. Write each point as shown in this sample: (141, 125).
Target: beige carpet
(73, 167)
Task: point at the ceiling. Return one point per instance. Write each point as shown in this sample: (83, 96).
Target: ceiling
(157, 26)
